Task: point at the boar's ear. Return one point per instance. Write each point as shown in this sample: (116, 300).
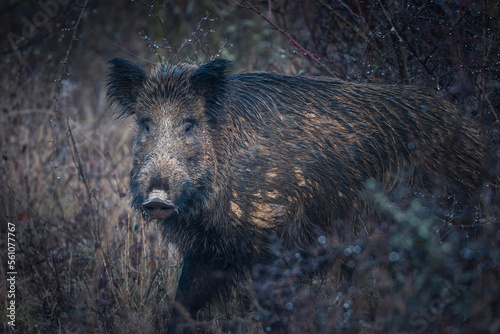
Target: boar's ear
(125, 79)
(209, 81)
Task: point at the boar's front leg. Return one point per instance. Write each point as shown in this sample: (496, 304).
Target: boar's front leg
(201, 279)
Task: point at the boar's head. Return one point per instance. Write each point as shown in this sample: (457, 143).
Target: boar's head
(177, 110)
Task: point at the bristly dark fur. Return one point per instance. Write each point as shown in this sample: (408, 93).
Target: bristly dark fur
(209, 81)
(259, 159)
(124, 82)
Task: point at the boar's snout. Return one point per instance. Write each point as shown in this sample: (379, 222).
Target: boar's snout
(157, 207)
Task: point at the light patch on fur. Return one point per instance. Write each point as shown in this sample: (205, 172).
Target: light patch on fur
(300, 176)
(275, 194)
(271, 175)
(267, 215)
(235, 208)
(160, 194)
(263, 216)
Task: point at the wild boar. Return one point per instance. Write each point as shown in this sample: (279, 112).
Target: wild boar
(231, 163)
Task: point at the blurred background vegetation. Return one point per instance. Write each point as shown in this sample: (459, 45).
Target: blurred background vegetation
(87, 263)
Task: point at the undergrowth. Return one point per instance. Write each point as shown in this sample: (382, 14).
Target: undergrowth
(86, 263)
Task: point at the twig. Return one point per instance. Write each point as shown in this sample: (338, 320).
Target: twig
(172, 49)
(194, 35)
(158, 272)
(119, 47)
(166, 44)
(350, 26)
(393, 28)
(64, 63)
(489, 103)
(83, 176)
(317, 59)
(408, 46)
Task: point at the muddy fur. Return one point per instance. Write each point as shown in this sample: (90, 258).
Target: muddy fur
(254, 160)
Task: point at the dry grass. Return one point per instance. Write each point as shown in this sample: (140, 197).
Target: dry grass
(86, 263)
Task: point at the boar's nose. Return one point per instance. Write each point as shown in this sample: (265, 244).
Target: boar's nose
(158, 209)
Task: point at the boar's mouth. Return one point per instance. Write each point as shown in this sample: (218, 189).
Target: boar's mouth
(157, 206)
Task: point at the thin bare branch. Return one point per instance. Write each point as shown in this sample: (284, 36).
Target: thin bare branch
(59, 79)
(357, 31)
(317, 59)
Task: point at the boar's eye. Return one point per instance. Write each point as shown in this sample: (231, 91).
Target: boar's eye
(189, 124)
(144, 124)
(188, 128)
